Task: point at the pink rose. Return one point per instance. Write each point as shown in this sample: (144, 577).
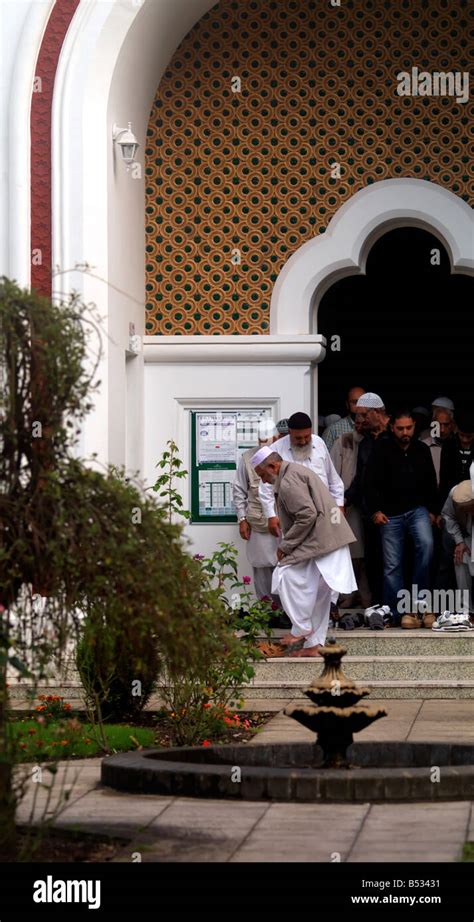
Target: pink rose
(246, 580)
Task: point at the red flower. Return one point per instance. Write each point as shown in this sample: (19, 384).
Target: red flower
(246, 580)
(206, 743)
(207, 704)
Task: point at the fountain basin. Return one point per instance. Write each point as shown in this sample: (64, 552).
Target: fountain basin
(379, 772)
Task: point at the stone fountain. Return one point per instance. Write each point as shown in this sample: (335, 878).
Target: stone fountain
(335, 714)
(332, 769)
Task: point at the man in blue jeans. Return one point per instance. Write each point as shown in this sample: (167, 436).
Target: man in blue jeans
(402, 499)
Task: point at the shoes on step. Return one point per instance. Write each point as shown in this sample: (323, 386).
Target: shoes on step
(451, 621)
(412, 621)
(428, 619)
(377, 617)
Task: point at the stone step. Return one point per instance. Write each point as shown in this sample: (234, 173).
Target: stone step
(286, 691)
(393, 642)
(367, 668)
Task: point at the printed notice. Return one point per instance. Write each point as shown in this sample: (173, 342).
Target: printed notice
(215, 493)
(216, 438)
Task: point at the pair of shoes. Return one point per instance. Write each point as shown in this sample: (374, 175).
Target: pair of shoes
(350, 622)
(377, 617)
(452, 621)
(412, 621)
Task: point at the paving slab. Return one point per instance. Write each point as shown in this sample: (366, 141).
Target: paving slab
(303, 832)
(192, 830)
(79, 777)
(401, 716)
(412, 833)
(444, 720)
(413, 720)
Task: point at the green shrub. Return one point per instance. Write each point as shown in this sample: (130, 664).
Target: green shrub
(118, 669)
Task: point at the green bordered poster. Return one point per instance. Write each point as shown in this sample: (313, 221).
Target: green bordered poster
(218, 439)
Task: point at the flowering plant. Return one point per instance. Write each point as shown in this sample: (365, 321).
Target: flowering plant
(207, 723)
(53, 706)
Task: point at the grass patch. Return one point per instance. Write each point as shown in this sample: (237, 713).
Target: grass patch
(56, 739)
(468, 852)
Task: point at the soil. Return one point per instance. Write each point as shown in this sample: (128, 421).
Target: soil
(164, 728)
(68, 846)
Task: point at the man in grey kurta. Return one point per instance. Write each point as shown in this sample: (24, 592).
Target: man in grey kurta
(261, 545)
(313, 556)
(458, 516)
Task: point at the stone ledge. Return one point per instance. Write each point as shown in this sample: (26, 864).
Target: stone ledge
(280, 772)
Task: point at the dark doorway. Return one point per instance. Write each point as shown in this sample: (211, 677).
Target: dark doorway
(406, 327)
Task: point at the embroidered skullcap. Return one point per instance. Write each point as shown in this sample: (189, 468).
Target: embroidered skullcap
(260, 455)
(444, 402)
(370, 401)
(282, 426)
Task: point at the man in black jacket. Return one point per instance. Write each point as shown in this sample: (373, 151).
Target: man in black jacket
(373, 420)
(401, 494)
(457, 455)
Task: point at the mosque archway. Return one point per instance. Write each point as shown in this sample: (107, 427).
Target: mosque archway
(405, 325)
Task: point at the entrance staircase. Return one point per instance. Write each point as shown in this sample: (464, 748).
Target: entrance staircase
(394, 663)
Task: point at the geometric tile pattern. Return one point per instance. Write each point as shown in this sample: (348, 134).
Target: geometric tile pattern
(252, 170)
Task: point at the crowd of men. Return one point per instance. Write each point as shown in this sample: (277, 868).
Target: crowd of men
(379, 503)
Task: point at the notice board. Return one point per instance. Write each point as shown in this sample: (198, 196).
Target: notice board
(218, 440)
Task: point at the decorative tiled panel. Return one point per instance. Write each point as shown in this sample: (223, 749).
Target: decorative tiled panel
(40, 129)
(251, 170)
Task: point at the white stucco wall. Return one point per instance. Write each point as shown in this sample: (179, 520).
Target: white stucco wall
(112, 62)
(281, 382)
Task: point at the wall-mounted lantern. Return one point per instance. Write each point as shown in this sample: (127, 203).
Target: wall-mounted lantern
(127, 142)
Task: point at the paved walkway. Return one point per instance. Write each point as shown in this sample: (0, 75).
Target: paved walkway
(184, 829)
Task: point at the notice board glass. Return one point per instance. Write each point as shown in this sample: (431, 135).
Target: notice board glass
(218, 439)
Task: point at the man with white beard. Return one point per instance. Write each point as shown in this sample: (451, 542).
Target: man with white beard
(302, 446)
(313, 557)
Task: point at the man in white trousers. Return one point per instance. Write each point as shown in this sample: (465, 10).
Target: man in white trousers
(313, 556)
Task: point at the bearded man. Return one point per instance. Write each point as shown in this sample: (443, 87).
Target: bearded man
(313, 556)
(302, 446)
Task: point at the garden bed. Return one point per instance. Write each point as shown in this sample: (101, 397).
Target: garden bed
(63, 845)
(72, 737)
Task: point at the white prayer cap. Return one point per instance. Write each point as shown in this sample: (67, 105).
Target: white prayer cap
(444, 402)
(260, 455)
(370, 401)
(332, 418)
(463, 493)
(266, 429)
